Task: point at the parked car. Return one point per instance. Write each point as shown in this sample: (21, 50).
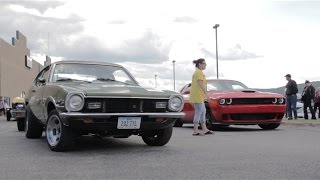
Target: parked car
(73, 98)
(17, 112)
(230, 102)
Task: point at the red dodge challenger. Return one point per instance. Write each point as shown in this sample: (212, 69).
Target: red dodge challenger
(231, 102)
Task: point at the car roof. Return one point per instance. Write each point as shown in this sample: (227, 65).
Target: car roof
(85, 62)
(221, 80)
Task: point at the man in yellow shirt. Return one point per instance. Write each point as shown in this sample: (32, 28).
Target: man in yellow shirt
(197, 98)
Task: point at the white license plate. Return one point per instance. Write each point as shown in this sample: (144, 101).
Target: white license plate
(129, 122)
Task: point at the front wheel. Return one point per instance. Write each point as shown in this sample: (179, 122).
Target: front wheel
(158, 137)
(8, 113)
(59, 136)
(269, 126)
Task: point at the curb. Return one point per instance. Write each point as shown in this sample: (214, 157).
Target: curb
(301, 124)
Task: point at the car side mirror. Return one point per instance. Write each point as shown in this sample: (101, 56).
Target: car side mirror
(42, 80)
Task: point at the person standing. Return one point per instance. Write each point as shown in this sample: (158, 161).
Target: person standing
(317, 102)
(307, 97)
(291, 97)
(2, 109)
(197, 97)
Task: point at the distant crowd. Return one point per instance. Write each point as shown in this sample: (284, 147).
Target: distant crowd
(310, 97)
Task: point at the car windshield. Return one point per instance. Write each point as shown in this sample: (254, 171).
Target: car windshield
(225, 85)
(91, 73)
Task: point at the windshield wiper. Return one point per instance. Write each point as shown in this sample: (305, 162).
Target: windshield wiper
(70, 79)
(105, 79)
(108, 79)
(65, 79)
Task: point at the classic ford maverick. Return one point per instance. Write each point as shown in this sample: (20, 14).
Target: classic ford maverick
(72, 98)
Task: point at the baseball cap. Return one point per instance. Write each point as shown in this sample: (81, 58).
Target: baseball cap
(288, 75)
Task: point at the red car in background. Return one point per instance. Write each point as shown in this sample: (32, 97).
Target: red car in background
(230, 102)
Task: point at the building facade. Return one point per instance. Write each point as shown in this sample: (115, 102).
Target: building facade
(17, 69)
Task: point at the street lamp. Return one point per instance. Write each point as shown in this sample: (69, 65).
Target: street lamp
(155, 81)
(216, 28)
(174, 76)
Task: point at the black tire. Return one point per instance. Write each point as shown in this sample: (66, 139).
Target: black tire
(59, 137)
(21, 124)
(8, 115)
(178, 123)
(33, 128)
(269, 126)
(158, 137)
(209, 120)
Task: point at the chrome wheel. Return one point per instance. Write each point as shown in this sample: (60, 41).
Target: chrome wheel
(53, 130)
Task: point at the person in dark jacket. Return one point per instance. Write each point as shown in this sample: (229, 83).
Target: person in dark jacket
(317, 102)
(307, 97)
(291, 97)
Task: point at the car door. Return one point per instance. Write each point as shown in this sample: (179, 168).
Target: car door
(36, 100)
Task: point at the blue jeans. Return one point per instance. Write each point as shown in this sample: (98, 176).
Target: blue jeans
(292, 106)
(199, 113)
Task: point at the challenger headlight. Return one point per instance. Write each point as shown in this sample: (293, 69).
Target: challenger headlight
(229, 101)
(74, 102)
(274, 101)
(222, 101)
(281, 100)
(175, 103)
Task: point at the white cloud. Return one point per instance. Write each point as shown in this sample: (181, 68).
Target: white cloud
(267, 38)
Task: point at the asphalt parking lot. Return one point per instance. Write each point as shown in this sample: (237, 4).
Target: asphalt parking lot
(246, 152)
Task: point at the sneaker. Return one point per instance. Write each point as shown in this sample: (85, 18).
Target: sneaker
(289, 118)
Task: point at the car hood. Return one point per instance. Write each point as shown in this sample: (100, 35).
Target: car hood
(248, 93)
(118, 90)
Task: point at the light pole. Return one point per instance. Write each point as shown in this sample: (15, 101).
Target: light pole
(216, 28)
(155, 81)
(174, 76)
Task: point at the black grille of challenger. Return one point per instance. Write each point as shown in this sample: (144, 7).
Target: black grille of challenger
(124, 105)
(240, 101)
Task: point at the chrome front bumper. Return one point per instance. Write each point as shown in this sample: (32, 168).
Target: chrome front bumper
(108, 115)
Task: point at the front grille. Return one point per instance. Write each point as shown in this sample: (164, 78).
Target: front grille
(254, 116)
(240, 101)
(125, 105)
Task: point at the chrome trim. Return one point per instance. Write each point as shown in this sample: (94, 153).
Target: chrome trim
(170, 100)
(107, 115)
(69, 95)
(129, 97)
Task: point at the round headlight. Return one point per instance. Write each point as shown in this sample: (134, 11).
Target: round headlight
(222, 101)
(75, 102)
(280, 100)
(175, 103)
(229, 101)
(274, 101)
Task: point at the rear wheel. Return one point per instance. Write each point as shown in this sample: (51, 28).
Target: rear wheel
(158, 137)
(33, 128)
(178, 123)
(21, 124)
(269, 126)
(59, 136)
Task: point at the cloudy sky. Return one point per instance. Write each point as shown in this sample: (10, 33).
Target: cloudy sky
(259, 41)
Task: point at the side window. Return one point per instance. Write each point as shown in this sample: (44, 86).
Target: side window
(186, 89)
(42, 75)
